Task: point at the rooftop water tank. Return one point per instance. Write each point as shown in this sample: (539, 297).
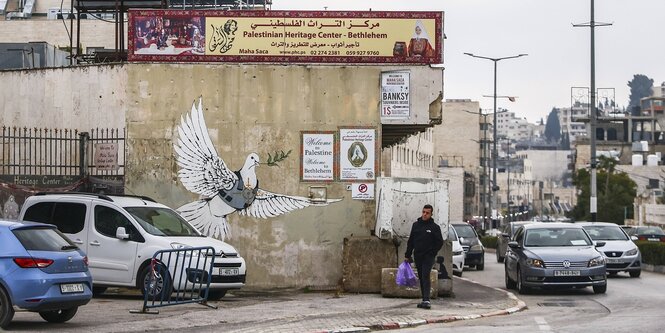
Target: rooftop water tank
(652, 160)
(637, 160)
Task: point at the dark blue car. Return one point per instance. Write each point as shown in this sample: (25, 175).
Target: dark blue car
(41, 271)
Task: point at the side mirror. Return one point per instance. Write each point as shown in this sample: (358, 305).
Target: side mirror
(600, 244)
(120, 233)
(439, 259)
(513, 245)
(634, 238)
(505, 235)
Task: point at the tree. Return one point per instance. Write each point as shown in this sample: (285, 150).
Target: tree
(640, 86)
(617, 193)
(553, 127)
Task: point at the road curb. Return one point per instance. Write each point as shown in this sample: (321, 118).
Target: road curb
(521, 305)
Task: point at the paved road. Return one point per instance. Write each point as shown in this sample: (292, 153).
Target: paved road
(630, 305)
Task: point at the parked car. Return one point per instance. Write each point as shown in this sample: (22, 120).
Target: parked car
(507, 232)
(458, 252)
(549, 255)
(473, 248)
(621, 254)
(120, 234)
(647, 233)
(41, 271)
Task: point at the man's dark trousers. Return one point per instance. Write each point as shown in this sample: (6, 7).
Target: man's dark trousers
(424, 266)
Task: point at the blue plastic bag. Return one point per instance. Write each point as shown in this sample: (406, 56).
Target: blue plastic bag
(405, 276)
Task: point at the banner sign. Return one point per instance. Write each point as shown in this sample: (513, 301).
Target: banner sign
(357, 154)
(317, 160)
(395, 97)
(285, 36)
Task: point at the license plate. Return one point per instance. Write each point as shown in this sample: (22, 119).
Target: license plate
(653, 239)
(228, 271)
(566, 273)
(70, 288)
(613, 261)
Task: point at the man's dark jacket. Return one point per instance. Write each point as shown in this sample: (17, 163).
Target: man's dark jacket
(425, 239)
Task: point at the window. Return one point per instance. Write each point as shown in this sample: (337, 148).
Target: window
(69, 217)
(43, 239)
(108, 220)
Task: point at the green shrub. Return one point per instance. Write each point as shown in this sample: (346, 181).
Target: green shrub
(653, 253)
(488, 241)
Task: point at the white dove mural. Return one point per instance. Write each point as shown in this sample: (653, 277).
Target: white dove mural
(223, 191)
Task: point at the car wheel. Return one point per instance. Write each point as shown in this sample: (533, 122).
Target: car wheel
(600, 289)
(96, 291)
(635, 274)
(458, 273)
(59, 316)
(499, 258)
(481, 266)
(156, 285)
(214, 295)
(6, 309)
(613, 273)
(521, 288)
(510, 284)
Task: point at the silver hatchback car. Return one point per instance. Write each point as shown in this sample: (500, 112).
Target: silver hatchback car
(549, 255)
(621, 254)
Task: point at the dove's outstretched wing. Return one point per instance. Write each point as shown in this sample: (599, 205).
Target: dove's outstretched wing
(203, 216)
(268, 204)
(202, 171)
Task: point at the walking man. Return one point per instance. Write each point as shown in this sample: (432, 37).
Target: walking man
(425, 241)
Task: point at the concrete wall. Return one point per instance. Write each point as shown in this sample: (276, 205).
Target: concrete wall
(76, 98)
(94, 33)
(248, 108)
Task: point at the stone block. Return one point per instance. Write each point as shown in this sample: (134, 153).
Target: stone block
(362, 260)
(389, 287)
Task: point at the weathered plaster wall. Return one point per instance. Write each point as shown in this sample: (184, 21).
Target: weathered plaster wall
(76, 98)
(94, 33)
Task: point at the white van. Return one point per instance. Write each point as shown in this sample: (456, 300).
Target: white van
(120, 234)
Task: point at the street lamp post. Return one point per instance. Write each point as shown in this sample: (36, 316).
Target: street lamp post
(494, 139)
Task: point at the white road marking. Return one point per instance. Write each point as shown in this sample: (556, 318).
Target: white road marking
(542, 324)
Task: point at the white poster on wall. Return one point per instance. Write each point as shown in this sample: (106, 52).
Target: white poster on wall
(357, 153)
(395, 95)
(317, 156)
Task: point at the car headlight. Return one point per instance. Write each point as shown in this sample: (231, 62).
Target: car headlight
(535, 263)
(179, 246)
(476, 248)
(631, 252)
(597, 261)
(456, 253)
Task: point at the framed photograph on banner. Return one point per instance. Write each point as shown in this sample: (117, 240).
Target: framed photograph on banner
(317, 156)
(357, 154)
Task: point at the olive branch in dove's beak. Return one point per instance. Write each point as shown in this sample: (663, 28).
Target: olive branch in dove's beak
(278, 157)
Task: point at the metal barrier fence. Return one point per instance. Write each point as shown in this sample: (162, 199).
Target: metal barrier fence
(178, 276)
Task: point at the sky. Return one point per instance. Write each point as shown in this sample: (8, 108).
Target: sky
(558, 53)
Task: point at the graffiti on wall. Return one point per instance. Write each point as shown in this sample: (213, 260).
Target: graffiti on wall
(224, 191)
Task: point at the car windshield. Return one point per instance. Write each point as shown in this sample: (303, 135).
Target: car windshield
(451, 234)
(605, 232)
(556, 237)
(465, 231)
(162, 221)
(649, 231)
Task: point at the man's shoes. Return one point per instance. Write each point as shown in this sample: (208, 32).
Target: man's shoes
(425, 305)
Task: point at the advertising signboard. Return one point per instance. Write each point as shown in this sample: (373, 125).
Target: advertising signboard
(285, 36)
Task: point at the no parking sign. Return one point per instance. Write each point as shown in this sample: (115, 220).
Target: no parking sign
(362, 191)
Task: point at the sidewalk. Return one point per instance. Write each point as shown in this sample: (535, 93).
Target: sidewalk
(283, 311)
